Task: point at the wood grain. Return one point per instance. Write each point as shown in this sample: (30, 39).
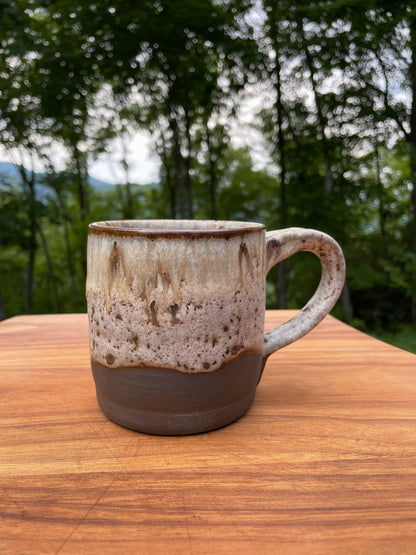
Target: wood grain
(324, 462)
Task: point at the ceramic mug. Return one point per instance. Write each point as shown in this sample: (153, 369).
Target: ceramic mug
(176, 316)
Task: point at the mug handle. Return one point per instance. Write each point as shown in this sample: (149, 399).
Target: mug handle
(284, 243)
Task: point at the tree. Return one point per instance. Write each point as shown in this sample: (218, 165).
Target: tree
(22, 126)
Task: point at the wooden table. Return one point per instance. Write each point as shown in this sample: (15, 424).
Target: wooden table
(324, 462)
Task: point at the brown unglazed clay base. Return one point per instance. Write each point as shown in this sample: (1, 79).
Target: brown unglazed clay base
(167, 402)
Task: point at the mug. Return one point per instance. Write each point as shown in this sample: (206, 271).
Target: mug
(176, 316)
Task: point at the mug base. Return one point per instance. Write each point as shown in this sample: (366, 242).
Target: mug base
(166, 402)
(173, 424)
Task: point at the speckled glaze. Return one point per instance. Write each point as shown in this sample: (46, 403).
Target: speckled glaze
(187, 302)
(187, 298)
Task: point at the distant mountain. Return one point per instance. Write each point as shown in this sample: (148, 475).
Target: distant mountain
(98, 184)
(11, 173)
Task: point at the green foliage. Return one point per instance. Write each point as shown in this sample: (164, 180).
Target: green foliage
(13, 220)
(403, 336)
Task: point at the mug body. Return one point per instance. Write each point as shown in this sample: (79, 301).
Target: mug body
(176, 318)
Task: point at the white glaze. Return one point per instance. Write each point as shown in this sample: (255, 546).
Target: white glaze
(188, 304)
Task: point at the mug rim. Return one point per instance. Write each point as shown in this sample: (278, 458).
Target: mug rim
(174, 228)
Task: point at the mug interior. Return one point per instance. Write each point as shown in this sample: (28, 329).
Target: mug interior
(175, 227)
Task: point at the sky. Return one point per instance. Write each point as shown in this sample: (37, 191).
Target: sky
(144, 163)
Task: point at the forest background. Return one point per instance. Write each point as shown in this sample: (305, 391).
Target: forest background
(331, 86)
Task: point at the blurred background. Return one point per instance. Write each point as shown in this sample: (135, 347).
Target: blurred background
(289, 113)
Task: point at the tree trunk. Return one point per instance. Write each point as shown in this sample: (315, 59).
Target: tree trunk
(188, 165)
(29, 187)
(81, 183)
(212, 176)
(68, 251)
(412, 148)
(346, 302)
(183, 209)
(129, 208)
(31, 266)
(322, 124)
(162, 150)
(412, 135)
(380, 194)
(281, 285)
(70, 262)
(49, 265)
(169, 181)
(128, 202)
